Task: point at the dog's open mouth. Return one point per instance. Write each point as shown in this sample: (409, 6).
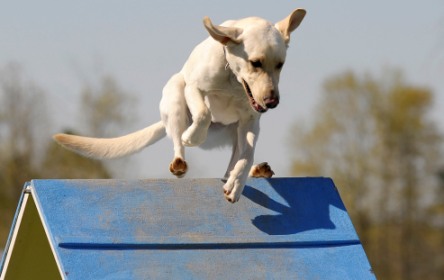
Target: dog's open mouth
(253, 103)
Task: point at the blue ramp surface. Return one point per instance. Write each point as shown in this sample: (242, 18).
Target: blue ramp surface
(282, 228)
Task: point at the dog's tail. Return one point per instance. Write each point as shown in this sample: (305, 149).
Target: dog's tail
(101, 148)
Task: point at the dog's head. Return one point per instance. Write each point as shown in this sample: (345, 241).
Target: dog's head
(255, 51)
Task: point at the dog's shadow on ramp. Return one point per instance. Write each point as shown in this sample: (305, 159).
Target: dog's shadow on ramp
(305, 205)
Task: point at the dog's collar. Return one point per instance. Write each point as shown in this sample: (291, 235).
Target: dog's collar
(233, 75)
(227, 66)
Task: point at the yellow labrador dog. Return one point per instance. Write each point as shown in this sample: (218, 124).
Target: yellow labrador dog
(228, 81)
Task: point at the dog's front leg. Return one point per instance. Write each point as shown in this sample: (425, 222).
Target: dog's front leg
(234, 155)
(196, 134)
(247, 134)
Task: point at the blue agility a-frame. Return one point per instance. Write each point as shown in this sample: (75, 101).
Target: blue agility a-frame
(282, 228)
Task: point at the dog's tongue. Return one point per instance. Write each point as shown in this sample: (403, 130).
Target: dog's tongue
(257, 107)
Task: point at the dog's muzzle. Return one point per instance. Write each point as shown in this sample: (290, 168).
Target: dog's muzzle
(269, 102)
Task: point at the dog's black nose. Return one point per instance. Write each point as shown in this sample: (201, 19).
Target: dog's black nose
(271, 102)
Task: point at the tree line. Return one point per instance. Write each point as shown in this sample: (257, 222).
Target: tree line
(375, 138)
(26, 149)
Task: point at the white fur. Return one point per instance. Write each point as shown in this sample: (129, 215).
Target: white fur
(226, 83)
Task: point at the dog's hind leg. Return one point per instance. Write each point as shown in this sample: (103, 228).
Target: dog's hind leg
(173, 111)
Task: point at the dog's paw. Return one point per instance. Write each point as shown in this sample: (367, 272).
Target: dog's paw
(178, 167)
(232, 192)
(262, 170)
(194, 136)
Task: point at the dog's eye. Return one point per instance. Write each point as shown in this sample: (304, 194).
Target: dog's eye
(279, 65)
(256, 63)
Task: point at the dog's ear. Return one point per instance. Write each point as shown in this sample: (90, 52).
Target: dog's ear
(290, 23)
(222, 34)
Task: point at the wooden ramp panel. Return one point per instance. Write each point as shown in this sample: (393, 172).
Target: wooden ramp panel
(282, 228)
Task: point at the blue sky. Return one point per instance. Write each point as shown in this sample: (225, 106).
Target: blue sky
(62, 44)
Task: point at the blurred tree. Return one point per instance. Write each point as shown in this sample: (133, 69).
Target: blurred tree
(374, 137)
(106, 107)
(22, 115)
(60, 163)
(24, 135)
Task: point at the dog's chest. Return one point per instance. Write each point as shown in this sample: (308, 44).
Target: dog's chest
(227, 108)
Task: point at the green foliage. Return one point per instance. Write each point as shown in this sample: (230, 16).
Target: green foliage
(26, 149)
(60, 163)
(375, 138)
(105, 107)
